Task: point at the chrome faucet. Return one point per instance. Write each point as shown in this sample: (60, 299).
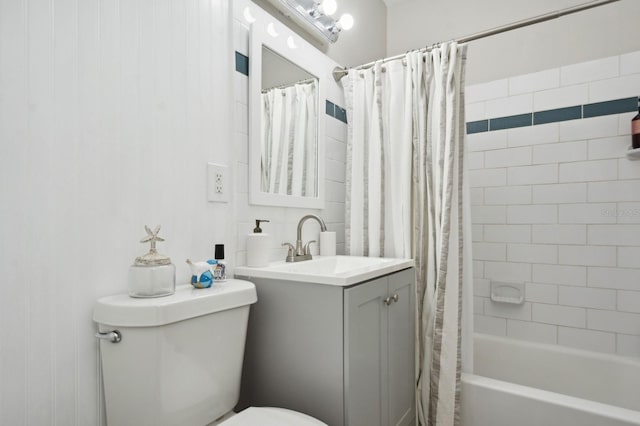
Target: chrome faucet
(300, 252)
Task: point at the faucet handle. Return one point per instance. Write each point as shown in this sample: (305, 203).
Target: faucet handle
(291, 251)
(307, 246)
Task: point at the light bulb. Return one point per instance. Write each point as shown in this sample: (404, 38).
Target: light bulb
(328, 7)
(346, 22)
(248, 16)
(271, 29)
(291, 43)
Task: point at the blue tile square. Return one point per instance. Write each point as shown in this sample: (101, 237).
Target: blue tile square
(559, 114)
(477, 126)
(617, 106)
(329, 108)
(340, 113)
(510, 122)
(242, 63)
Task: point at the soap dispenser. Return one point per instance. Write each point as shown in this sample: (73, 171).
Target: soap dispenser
(258, 247)
(152, 275)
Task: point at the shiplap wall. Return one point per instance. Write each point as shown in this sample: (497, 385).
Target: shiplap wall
(109, 112)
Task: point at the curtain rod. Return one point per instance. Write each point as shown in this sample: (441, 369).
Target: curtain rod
(338, 72)
(285, 85)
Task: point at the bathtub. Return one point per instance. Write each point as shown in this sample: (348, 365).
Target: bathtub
(517, 383)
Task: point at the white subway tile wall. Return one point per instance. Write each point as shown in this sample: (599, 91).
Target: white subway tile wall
(534, 82)
(613, 88)
(510, 105)
(562, 97)
(284, 221)
(557, 207)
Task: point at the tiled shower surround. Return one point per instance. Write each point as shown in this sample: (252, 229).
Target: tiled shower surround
(556, 206)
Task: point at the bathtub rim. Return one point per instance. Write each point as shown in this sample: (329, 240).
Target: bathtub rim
(569, 350)
(592, 407)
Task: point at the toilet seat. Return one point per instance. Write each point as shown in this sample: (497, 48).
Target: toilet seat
(271, 416)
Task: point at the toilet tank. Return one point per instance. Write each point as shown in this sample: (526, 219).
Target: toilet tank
(179, 361)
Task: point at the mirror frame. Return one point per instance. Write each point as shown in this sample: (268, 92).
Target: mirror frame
(309, 59)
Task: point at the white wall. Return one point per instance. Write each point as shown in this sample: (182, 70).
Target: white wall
(109, 113)
(557, 206)
(605, 31)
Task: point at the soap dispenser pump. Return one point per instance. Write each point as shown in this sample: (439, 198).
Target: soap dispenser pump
(258, 247)
(257, 229)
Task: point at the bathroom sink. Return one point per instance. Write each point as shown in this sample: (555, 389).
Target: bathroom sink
(331, 270)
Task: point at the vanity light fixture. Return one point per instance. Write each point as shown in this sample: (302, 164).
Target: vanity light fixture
(271, 29)
(327, 7)
(315, 15)
(248, 16)
(344, 23)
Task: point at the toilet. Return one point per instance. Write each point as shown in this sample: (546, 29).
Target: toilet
(177, 360)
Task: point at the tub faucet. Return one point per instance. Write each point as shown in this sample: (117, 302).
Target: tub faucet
(300, 252)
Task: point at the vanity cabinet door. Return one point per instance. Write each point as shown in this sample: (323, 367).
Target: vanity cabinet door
(379, 351)
(401, 333)
(366, 343)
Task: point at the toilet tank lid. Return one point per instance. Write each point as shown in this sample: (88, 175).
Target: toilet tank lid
(187, 302)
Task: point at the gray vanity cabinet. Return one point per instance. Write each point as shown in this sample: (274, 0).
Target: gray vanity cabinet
(344, 355)
(379, 352)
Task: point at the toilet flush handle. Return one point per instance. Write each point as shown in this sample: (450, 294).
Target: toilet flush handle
(113, 336)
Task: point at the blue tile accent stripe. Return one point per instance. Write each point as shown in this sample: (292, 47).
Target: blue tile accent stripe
(560, 114)
(510, 122)
(336, 111)
(477, 126)
(330, 108)
(242, 63)
(340, 114)
(616, 106)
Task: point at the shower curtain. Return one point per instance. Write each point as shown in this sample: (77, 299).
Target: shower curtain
(405, 199)
(289, 140)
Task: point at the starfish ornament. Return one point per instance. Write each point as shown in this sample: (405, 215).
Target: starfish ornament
(152, 236)
(153, 258)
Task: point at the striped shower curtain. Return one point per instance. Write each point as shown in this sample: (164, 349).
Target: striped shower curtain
(405, 199)
(288, 142)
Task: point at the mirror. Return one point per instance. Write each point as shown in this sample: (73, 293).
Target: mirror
(286, 130)
(288, 120)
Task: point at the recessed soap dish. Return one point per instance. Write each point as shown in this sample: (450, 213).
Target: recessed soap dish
(512, 293)
(633, 154)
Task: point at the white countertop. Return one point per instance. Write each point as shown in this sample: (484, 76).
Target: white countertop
(330, 270)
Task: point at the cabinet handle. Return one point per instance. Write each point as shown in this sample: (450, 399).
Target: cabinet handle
(391, 299)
